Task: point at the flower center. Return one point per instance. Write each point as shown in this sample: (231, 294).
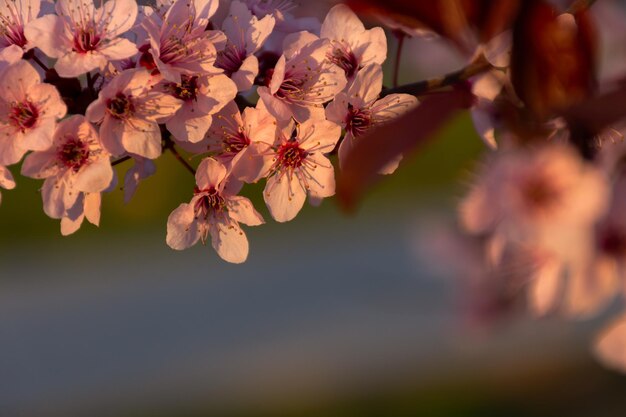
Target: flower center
(344, 59)
(86, 40)
(230, 59)
(539, 194)
(290, 155)
(210, 202)
(177, 47)
(358, 121)
(120, 107)
(292, 88)
(11, 26)
(187, 90)
(235, 143)
(24, 115)
(74, 153)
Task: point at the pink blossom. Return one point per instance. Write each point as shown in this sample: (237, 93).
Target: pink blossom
(352, 47)
(15, 15)
(130, 110)
(582, 284)
(546, 196)
(300, 167)
(303, 80)
(6, 180)
(202, 96)
(242, 141)
(359, 110)
(180, 44)
(84, 38)
(215, 210)
(75, 165)
(29, 111)
(246, 34)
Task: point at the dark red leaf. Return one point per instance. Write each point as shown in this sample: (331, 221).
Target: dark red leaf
(553, 59)
(399, 137)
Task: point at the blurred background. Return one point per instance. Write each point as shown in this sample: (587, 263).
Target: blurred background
(332, 315)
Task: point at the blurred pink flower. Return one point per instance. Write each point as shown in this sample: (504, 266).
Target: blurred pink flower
(543, 195)
(215, 210)
(610, 344)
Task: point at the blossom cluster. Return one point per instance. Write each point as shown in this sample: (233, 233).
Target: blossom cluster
(256, 93)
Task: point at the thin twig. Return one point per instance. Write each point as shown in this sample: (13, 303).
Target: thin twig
(169, 145)
(39, 62)
(426, 86)
(119, 161)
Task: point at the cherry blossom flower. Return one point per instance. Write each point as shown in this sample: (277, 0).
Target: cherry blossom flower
(581, 286)
(246, 34)
(359, 110)
(303, 80)
(15, 15)
(202, 96)
(75, 165)
(29, 111)
(180, 44)
(352, 47)
(130, 109)
(6, 180)
(215, 210)
(300, 167)
(242, 141)
(84, 38)
(547, 196)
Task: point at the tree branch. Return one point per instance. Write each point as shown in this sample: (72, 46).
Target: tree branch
(479, 66)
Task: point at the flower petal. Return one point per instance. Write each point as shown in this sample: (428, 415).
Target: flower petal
(182, 228)
(284, 196)
(230, 242)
